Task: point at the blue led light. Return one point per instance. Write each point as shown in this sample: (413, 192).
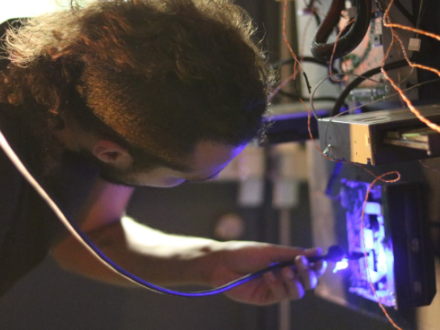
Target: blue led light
(343, 264)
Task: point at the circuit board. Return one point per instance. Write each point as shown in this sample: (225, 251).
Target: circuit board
(370, 54)
(377, 268)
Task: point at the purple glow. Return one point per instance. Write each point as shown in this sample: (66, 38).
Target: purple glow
(343, 264)
(375, 242)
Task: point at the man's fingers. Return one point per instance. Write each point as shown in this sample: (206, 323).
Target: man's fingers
(295, 289)
(319, 267)
(287, 286)
(292, 282)
(316, 251)
(284, 286)
(287, 253)
(307, 276)
(276, 286)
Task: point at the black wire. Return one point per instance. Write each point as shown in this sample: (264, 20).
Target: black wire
(296, 97)
(405, 12)
(317, 18)
(360, 79)
(311, 10)
(356, 32)
(420, 14)
(332, 179)
(310, 59)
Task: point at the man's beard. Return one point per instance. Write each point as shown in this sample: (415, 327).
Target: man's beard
(109, 172)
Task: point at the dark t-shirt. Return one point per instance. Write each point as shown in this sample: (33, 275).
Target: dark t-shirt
(28, 227)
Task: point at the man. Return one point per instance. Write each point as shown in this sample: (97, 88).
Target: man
(120, 94)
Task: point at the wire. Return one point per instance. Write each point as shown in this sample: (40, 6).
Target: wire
(296, 97)
(322, 51)
(377, 178)
(84, 240)
(405, 12)
(294, 57)
(361, 78)
(297, 62)
(408, 28)
(388, 96)
(278, 64)
(312, 98)
(312, 9)
(436, 170)
(381, 177)
(376, 101)
(330, 65)
(331, 181)
(303, 38)
(387, 23)
(420, 14)
(310, 59)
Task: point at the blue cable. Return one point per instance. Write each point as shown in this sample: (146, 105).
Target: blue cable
(335, 253)
(162, 290)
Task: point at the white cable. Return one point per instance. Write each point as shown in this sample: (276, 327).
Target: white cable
(23, 170)
(110, 264)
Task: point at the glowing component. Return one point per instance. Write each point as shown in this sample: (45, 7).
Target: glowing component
(373, 208)
(368, 239)
(343, 264)
(378, 245)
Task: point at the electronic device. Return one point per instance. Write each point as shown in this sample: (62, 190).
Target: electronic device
(380, 137)
(398, 260)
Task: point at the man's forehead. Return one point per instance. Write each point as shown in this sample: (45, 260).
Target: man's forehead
(210, 154)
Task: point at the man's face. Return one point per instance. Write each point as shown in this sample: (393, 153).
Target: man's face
(206, 162)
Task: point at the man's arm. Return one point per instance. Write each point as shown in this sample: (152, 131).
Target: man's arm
(169, 260)
(142, 250)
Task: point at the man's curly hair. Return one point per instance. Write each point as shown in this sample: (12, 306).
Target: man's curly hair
(156, 76)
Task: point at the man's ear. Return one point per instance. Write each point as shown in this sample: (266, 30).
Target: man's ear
(112, 153)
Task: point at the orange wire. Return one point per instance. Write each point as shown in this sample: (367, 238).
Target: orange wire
(408, 28)
(334, 50)
(387, 23)
(390, 25)
(377, 178)
(309, 117)
(405, 54)
(281, 85)
(297, 63)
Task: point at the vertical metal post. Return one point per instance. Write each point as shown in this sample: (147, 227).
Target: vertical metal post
(284, 232)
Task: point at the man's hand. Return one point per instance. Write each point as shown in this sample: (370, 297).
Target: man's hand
(237, 259)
